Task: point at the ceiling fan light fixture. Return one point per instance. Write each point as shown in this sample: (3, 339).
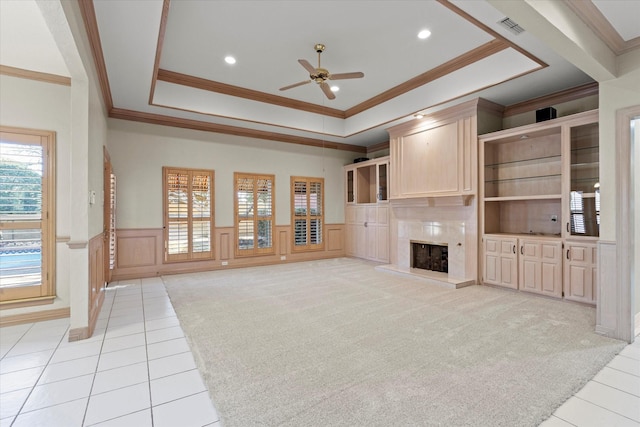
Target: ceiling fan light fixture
(335, 88)
(418, 115)
(230, 60)
(424, 34)
(321, 75)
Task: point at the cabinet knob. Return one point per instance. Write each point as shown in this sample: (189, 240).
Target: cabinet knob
(365, 225)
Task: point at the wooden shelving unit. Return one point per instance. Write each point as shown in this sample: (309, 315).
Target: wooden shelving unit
(367, 209)
(539, 197)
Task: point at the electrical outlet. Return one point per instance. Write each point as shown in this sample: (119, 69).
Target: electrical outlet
(225, 262)
(554, 218)
(282, 258)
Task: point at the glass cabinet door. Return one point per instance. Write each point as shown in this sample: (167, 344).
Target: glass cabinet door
(584, 181)
(350, 195)
(382, 181)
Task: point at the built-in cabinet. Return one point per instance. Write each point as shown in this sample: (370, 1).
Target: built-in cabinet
(539, 194)
(367, 209)
(580, 273)
(501, 261)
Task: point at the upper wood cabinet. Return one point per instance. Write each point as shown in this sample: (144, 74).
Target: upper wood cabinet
(436, 156)
(367, 182)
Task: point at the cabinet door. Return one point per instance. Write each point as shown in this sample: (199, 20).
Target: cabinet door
(540, 267)
(508, 263)
(584, 182)
(491, 272)
(500, 266)
(350, 188)
(580, 273)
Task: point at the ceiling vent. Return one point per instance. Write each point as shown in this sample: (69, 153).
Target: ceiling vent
(512, 26)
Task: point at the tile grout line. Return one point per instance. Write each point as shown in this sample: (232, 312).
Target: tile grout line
(35, 384)
(612, 387)
(146, 352)
(95, 372)
(606, 409)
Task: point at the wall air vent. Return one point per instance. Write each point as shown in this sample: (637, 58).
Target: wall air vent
(511, 25)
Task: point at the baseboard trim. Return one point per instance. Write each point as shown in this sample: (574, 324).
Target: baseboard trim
(77, 334)
(35, 316)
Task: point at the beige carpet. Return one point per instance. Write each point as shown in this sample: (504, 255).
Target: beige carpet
(338, 343)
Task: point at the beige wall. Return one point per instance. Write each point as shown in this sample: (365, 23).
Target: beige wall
(45, 106)
(139, 151)
(617, 94)
(635, 141)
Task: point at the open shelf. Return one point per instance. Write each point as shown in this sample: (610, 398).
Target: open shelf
(523, 162)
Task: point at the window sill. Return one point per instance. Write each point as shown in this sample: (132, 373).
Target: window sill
(27, 302)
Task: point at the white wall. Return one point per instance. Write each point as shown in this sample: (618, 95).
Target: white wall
(45, 106)
(616, 94)
(635, 144)
(139, 151)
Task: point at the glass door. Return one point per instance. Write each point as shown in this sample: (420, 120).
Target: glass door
(350, 195)
(382, 181)
(584, 181)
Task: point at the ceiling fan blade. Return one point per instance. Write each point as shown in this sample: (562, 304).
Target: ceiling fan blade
(327, 90)
(342, 76)
(307, 66)
(295, 85)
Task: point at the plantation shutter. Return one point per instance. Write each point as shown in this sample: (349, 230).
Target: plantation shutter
(307, 214)
(188, 214)
(254, 211)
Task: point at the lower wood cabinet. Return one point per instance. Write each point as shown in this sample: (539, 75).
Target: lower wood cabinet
(528, 264)
(580, 273)
(368, 231)
(501, 261)
(540, 266)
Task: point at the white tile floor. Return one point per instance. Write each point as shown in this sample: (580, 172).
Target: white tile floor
(137, 370)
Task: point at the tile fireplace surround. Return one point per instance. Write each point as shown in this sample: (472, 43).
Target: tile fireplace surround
(455, 225)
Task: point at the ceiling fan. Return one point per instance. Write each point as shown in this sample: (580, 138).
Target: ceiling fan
(321, 75)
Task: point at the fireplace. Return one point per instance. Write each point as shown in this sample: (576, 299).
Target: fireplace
(416, 223)
(430, 256)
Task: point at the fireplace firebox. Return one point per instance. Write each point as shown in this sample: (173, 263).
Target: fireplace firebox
(430, 256)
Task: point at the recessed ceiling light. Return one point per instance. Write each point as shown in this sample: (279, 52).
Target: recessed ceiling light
(424, 34)
(334, 88)
(230, 60)
(418, 115)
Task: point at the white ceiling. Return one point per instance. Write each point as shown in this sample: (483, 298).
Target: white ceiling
(267, 38)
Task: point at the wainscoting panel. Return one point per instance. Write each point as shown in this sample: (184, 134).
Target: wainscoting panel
(283, 242)
(335, 237)
(225, 237)
(97, 282)
(137, 248)
(607, 298)
(140, 252)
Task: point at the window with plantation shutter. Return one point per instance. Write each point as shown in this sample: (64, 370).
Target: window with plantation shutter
(254, 214)
(27, 233)
(307, 213)
(188, 214)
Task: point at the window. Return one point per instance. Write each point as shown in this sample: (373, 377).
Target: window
(27, 224)
(188, 214)
(254, 213)
(307, 207)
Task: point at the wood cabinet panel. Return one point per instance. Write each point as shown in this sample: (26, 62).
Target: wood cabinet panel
(500, 261)
(580, 278)
(540, 264)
